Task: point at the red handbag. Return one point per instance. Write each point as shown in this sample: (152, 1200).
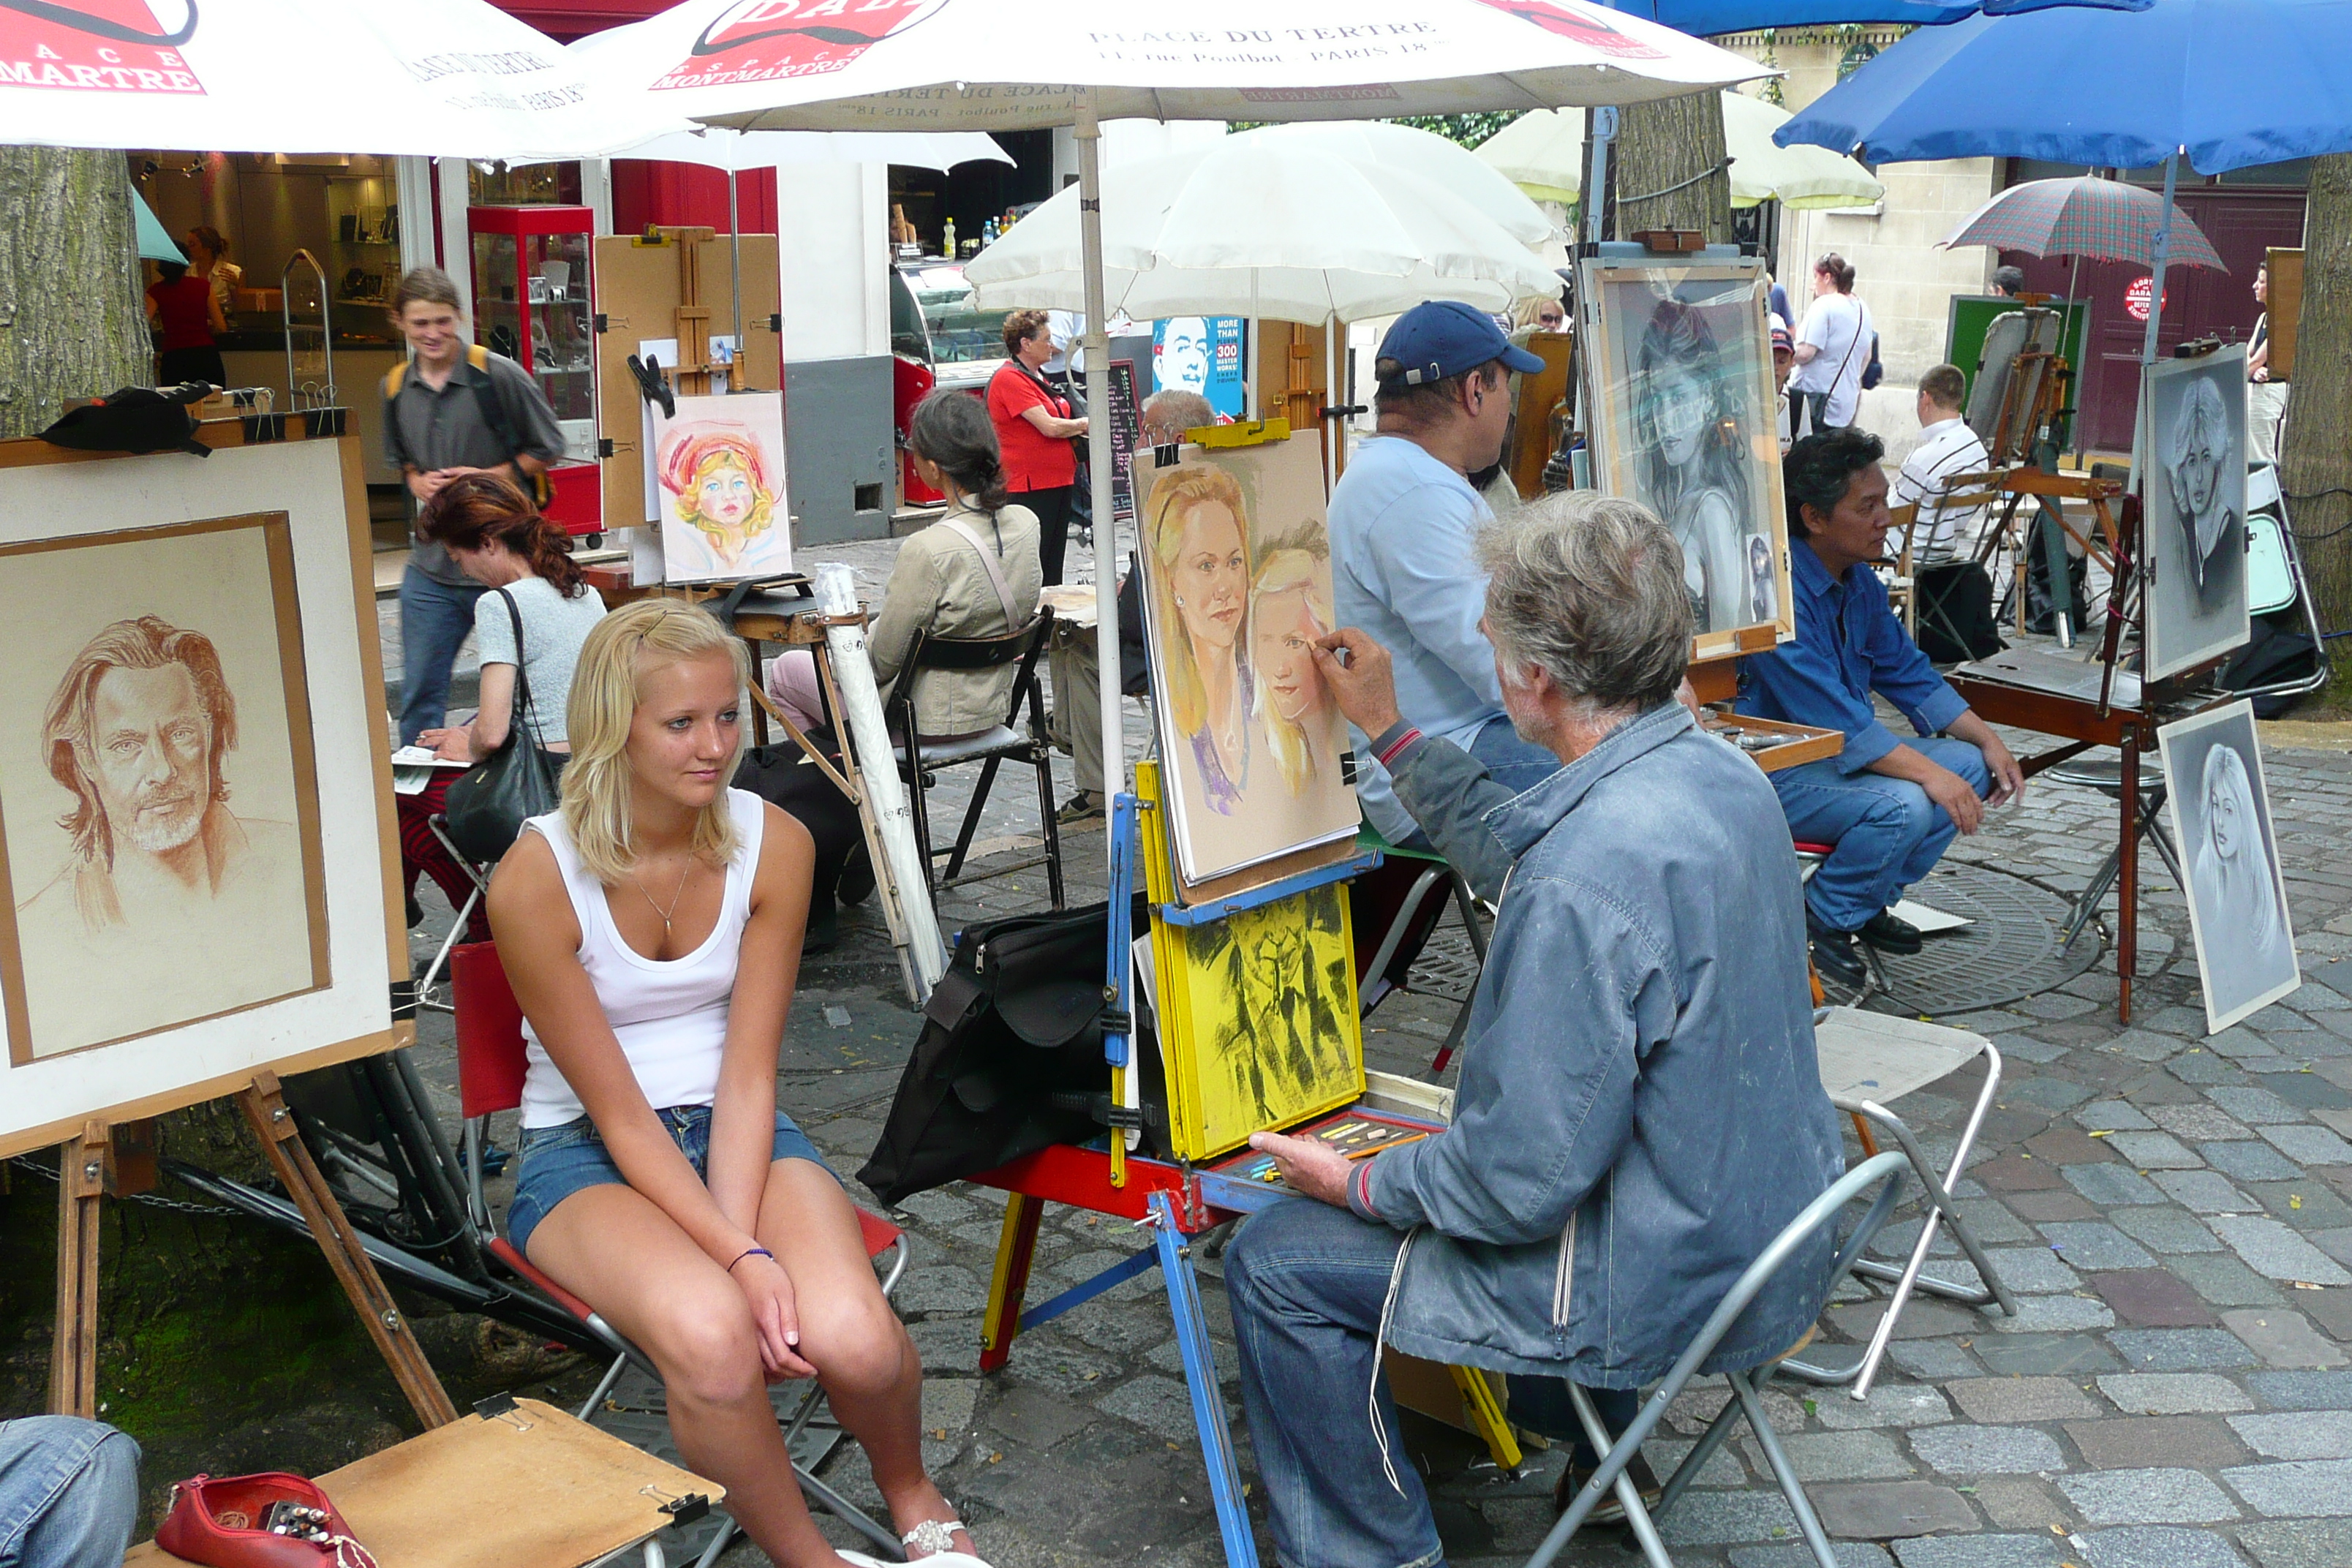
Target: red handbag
(268, 1521)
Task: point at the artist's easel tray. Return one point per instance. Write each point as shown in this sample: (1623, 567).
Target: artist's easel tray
(1772, 745)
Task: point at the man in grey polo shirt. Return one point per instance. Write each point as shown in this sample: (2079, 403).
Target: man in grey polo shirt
(445, 415)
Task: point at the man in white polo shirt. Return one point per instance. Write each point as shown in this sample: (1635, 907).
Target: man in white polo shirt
(1948, 448)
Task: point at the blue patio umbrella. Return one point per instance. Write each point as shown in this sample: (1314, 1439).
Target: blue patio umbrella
(2226, 83)
(1712, 18)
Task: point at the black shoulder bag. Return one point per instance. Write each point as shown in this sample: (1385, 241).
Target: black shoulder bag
(486, 804)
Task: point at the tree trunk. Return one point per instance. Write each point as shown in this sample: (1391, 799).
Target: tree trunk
(1670, 170)
(2315, 460)
(71, 319)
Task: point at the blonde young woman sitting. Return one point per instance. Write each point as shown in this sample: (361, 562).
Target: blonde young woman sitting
(652, 931)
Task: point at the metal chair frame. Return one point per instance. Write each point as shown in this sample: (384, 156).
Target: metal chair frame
(2154, 789)
(1377, 989)
(1941, 1208)
(1884, 1171)
(1033, 745)
(427, 995)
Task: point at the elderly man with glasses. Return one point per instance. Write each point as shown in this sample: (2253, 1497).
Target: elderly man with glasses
(1640, 1111)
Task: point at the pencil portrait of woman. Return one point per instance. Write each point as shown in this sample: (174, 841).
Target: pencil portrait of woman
(1290, 610)
(1687, 428)
(2246, 945)
(1196, 526)
(2196, 454)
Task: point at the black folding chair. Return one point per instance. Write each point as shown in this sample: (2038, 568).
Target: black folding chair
(1021, 737)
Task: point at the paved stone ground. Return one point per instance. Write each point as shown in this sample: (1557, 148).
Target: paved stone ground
(2173, 1212)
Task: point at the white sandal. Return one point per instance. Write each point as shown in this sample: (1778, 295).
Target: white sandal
(935, 1538)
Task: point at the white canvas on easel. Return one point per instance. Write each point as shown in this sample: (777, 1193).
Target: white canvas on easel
(718, 465)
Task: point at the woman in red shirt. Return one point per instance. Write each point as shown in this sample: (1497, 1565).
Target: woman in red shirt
(183, 309)
(1035, 430)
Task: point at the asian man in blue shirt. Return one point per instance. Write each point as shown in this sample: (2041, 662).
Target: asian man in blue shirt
(1890, 807)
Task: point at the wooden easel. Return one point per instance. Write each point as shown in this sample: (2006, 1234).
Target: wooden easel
(119, 1161)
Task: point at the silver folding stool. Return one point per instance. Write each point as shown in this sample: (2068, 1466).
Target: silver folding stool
(1866, 1060)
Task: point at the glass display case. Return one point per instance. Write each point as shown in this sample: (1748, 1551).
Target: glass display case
(530, 304)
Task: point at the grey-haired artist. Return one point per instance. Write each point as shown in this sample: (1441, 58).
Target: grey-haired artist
(1643, 1003)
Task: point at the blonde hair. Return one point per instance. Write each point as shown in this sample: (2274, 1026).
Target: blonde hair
(1172, 495)
(1288, 569)
(1529, 313)
(764, 500)
(597, 784)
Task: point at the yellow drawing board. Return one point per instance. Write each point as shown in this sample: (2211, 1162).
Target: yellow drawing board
(1257, 1011)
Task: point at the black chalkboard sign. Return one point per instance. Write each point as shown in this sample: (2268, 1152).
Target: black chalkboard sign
(1126, 424)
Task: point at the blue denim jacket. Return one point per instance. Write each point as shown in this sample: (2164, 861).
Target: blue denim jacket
(1849, 644)
(1640, 1108)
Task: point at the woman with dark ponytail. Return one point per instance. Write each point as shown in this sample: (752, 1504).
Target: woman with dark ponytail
(496, 535)
(975, 572)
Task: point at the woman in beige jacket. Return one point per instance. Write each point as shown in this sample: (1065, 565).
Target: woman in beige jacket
(973, 574)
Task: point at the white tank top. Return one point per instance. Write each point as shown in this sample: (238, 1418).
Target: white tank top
(669, 1014)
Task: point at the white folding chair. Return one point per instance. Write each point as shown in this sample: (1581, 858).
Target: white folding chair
(429, 992)
(1868, 1059)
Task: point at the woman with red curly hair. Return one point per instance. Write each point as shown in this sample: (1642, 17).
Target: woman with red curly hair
(720, 490)
(497, 538)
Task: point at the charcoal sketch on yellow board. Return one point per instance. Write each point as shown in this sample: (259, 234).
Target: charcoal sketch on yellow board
(1257, 1011)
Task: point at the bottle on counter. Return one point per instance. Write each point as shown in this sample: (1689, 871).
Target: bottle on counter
(946, 247)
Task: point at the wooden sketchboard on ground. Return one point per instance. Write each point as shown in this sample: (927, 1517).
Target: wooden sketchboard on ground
(528, 1488)
(639, 297)
(1256, 1012)
(215, 892)
(1540, 392)
(2285, 310)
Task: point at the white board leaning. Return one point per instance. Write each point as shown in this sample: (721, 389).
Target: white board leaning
(2237, 898)
(196, 841)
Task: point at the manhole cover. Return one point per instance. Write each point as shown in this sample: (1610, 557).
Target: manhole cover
(2009, 951)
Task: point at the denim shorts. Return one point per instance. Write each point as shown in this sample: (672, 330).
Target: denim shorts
(559, 1160)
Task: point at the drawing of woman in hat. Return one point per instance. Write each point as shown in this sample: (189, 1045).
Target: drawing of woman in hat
(717, 476)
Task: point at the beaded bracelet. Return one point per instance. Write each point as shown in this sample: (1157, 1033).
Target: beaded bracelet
(751, 1252)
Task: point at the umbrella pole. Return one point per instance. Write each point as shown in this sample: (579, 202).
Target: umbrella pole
(1098, 449)
(735, 254)
(2163, 254)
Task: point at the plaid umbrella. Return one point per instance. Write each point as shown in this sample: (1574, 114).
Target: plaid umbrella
(2104, 220)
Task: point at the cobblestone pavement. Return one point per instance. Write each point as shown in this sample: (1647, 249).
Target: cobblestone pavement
(2174, 1214)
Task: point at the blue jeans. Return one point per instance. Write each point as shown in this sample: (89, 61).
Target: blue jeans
(435, 618)
(68, 1493)
(1886, 831)
(1306, 1281)
(1517, 765)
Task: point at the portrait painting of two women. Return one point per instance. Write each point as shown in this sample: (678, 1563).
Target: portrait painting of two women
(1237, 568)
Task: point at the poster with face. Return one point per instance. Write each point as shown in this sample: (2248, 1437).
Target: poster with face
(1237, 576)
(1679, 368)
(1203, 354)
(151, 787)
(720, 463)
(2237, 898)
(2192, 485)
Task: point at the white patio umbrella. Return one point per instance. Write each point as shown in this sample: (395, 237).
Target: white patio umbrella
(981, 65)
(433, 77)
(739, 151)
(1274, 225)
(1543, 154)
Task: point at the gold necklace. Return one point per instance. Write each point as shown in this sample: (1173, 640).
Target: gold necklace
(649, 897)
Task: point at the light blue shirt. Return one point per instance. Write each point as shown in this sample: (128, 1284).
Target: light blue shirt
(1403, 570)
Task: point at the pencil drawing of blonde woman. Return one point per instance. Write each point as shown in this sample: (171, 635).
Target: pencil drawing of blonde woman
(2230, 873)
(1196, 526)
(1290, 610)
(721, 488)
(2195, 460)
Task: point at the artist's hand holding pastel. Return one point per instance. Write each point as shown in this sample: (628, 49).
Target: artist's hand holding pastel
(1364, 686)
(1308, 1165)
(2008, 778)
(1956, 796)
(775, 1315)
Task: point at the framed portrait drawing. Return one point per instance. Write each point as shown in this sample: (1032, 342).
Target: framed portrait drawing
(2229, 849)
(1237, 588)
(1678, 368)
(719, 481)
(2192, 485)
(197, 855)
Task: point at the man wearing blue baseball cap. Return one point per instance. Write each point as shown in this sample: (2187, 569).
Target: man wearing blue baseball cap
(1403, 567)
